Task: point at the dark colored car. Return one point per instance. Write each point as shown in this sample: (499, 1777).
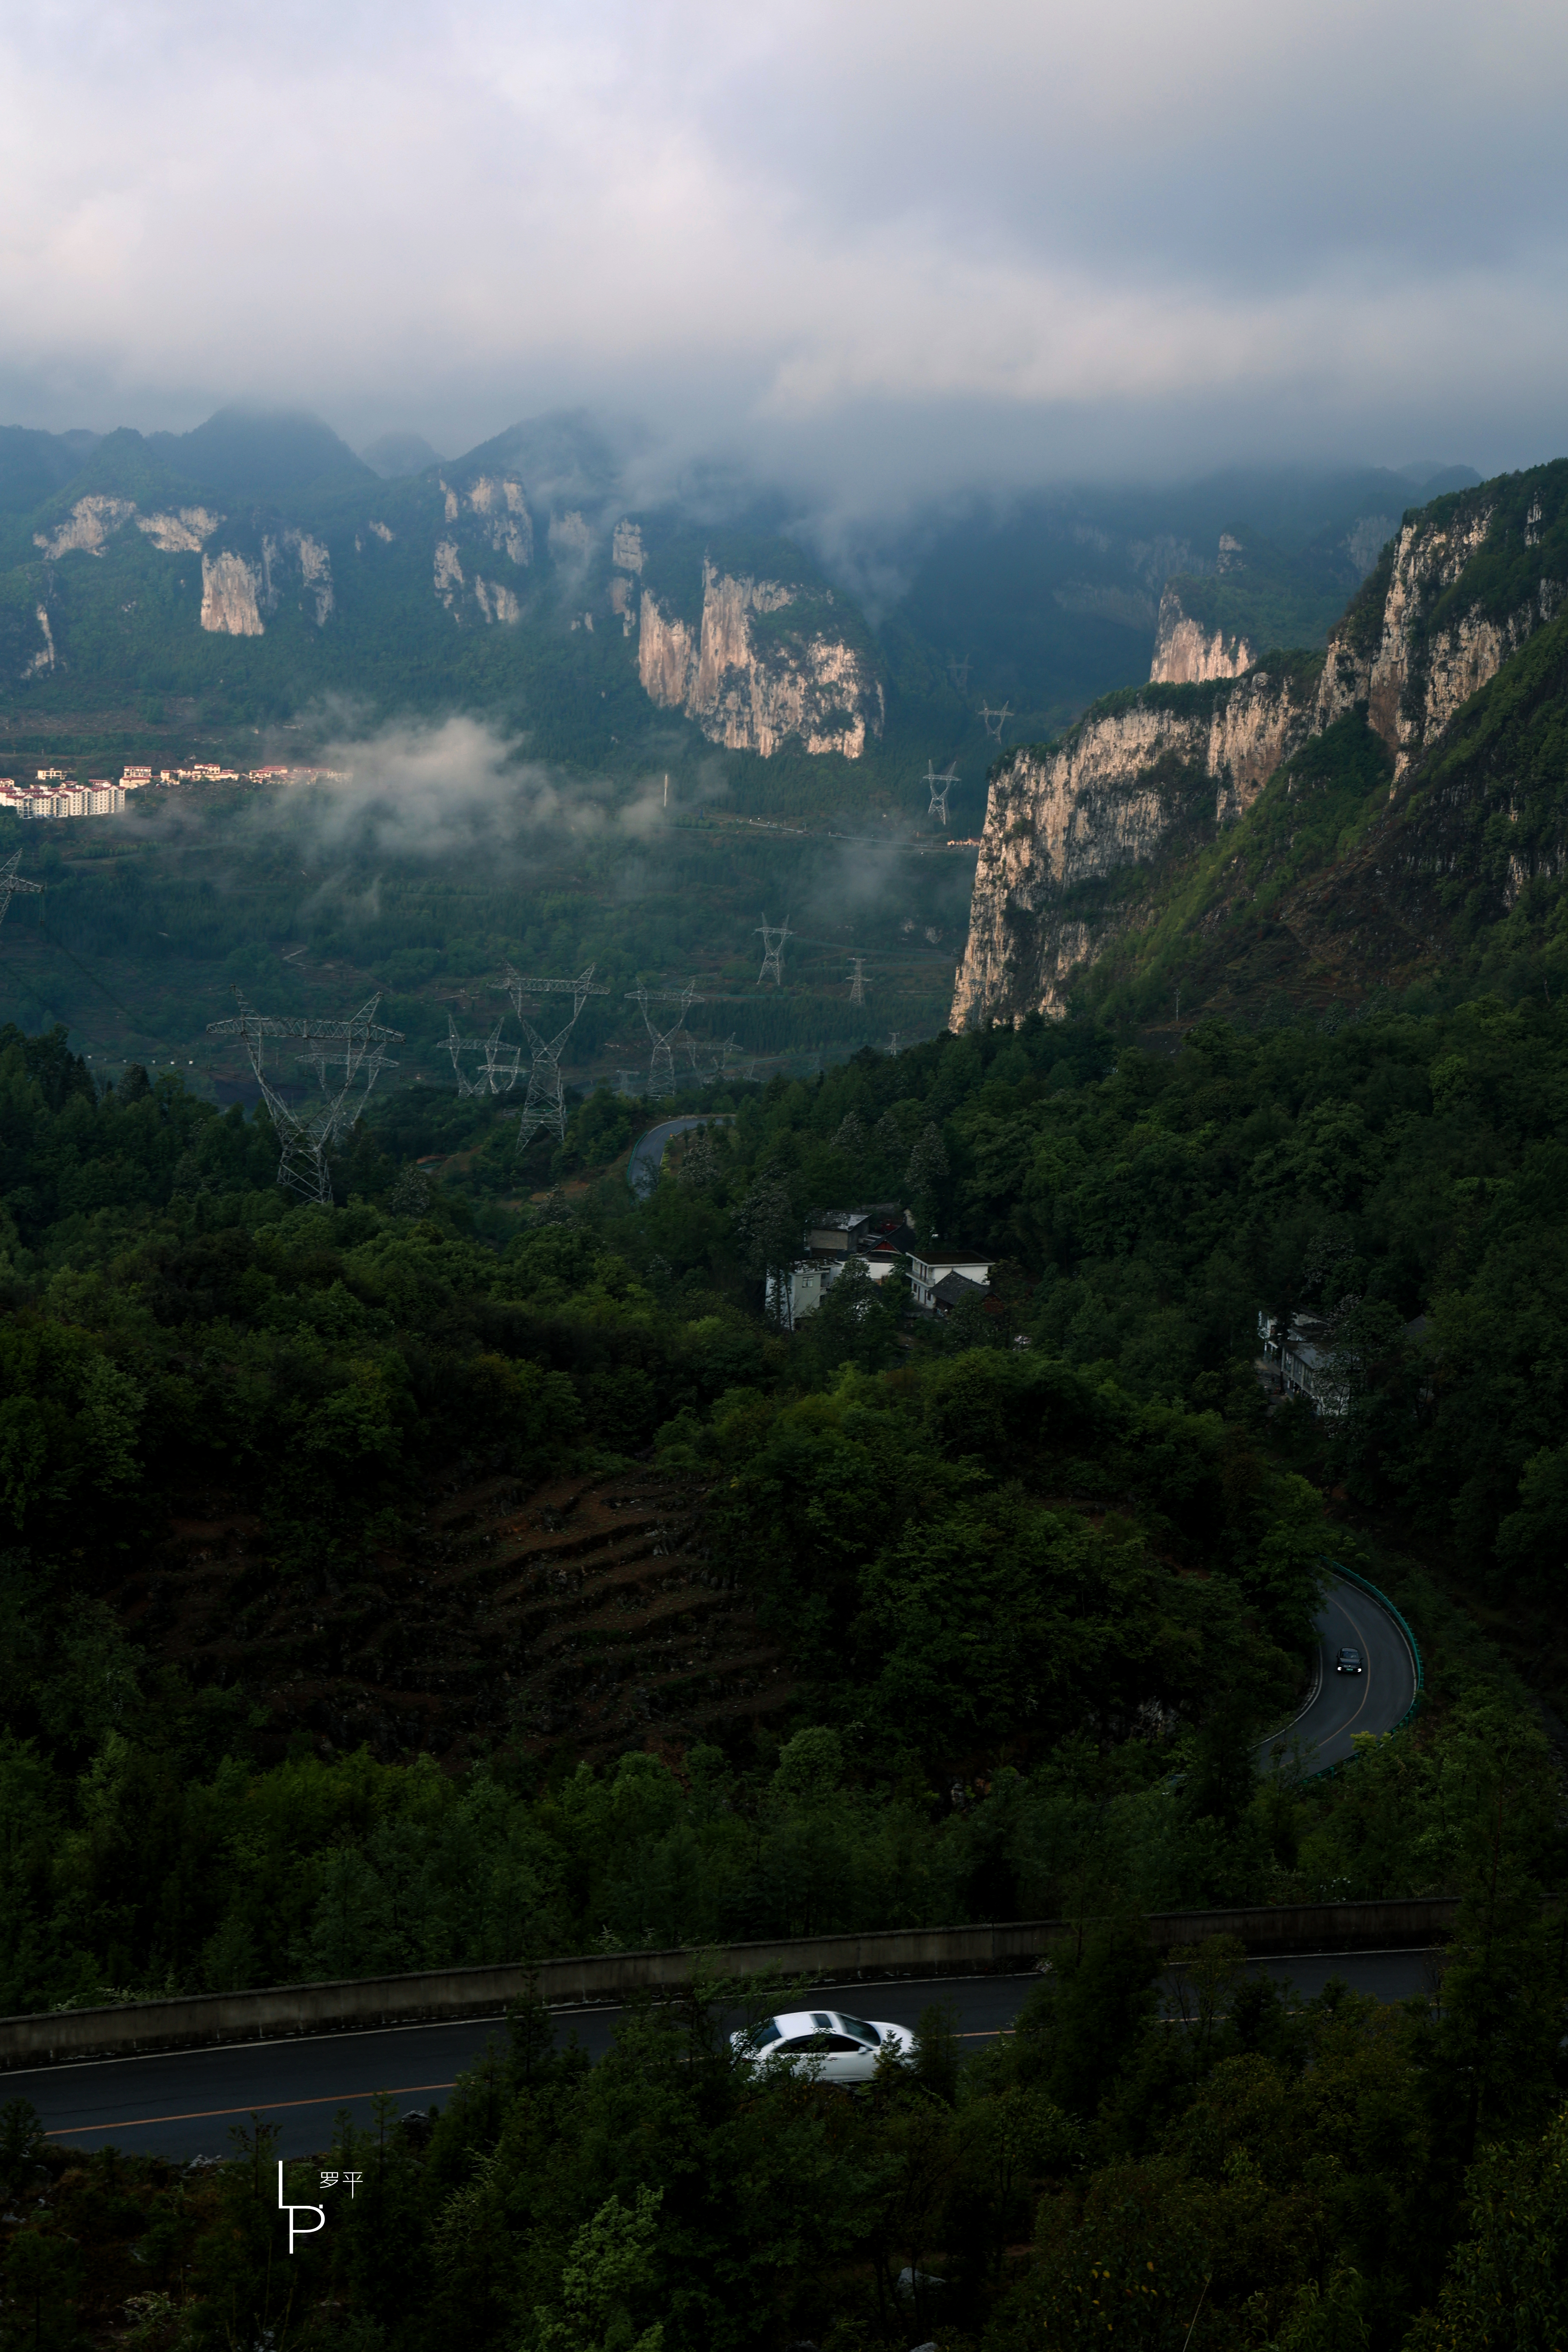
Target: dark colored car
(1349, 1662)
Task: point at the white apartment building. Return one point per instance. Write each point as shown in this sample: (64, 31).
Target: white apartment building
(97, 797)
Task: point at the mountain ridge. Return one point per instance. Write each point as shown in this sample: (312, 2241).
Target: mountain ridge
(1092, 839)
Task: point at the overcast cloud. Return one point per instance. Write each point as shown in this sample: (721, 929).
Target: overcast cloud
(878, 241)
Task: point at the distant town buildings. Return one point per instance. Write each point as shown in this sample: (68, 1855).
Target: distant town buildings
(55, 793)
(97, 797)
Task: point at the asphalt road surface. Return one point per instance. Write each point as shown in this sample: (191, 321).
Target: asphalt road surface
(188, 2104)
(1340, 1706)
(647, 1152)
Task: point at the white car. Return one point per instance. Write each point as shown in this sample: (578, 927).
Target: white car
(837, 2048)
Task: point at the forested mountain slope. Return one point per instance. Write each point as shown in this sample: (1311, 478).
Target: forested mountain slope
(169, 596)
(433, 1579)
(252, 567)
(1181, 821)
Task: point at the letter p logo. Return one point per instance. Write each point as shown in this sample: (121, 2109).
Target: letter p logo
(300, 2229)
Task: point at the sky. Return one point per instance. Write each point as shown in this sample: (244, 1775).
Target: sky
(888, 247)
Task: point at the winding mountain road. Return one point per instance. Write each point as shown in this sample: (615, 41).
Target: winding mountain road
(184, 2104)
(647, 1152)
(1339, 1707)
(187, 2103)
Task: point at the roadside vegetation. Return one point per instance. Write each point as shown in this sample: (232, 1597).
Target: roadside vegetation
(1044, 1572)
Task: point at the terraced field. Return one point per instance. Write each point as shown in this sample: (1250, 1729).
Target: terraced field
(585, 1616)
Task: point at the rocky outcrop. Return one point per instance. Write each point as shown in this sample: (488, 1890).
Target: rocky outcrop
(1064, 820)
(89, 523)
(498, 500)
(230, 587)
(449, 573)
(495, 602)
(752, 693)
(93, 521)
(1105, 798)
(315, 565)
(1188, 653)
(488, 517)
(180, 534)
(1426, 664)
(47, 658)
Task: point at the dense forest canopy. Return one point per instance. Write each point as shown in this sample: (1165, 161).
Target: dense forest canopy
(1043, 1574)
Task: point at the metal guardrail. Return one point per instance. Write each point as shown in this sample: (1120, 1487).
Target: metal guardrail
(1414, 1646)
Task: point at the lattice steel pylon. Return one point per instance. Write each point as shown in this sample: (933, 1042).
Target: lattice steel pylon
(455, 1046)
(357, 1046)
(545, 1105)
(11, 882)
(661, 1061)
(995, 721)
(503, 1063)
(858, 981)
(773, 937)
(939, 788)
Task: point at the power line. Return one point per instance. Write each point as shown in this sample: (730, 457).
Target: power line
(306, 1137)
(11, 882)
(939, 788)
(661, 1061)
(773, 938)
(546, 1102)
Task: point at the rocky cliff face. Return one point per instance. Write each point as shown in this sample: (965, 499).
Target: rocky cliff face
(240, 591)
(488, 529)
(752, 692)
(1187, 654)
(1437, 648)
(230, 588)
(1465, 584)
(84, 530)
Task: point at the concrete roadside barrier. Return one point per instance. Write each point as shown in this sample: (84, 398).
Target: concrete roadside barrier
(441, 1995)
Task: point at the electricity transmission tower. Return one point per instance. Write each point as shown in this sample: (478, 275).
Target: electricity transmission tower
(11, 882)
(773, 938)
(455, 1046)
(661, 1063)
(995, 721)
(858, 981)
(357, 1047)
(502, 1063)
(893, 1045)
(546, 1101)
(960, 673)
(939, 788)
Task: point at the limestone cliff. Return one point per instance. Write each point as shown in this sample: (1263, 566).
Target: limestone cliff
(1188, 653)
(179, 534)
(1068, 824)
(753, 690)
(230, 587)
(46, 658)
(237, 589)
(485, 519)
(91, 522)
(499, 503)
(279, 557)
